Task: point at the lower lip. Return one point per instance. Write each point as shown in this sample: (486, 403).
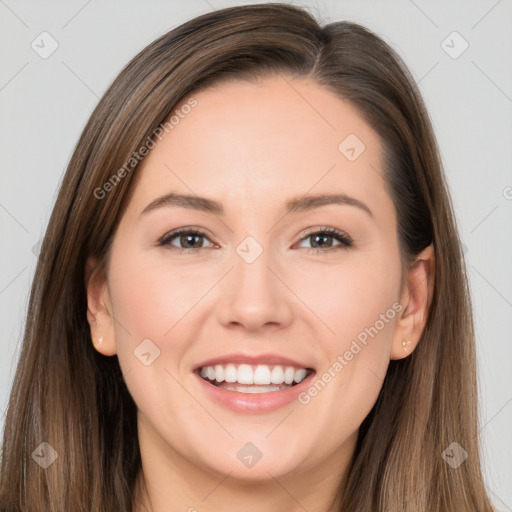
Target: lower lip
(256, 403)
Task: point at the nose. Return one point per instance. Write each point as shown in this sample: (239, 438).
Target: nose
(255, 295)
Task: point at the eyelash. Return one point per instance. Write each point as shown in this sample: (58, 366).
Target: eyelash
(345, 240)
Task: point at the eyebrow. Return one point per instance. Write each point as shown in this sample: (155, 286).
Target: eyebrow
(294, 205)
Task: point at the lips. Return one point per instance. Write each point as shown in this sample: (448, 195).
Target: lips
(242, 369)
(252, 399)
(253, 383)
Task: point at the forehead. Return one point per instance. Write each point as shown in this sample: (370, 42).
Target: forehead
(248, 143)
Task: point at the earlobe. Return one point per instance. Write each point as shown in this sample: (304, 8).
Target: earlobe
(416, 300)
(98, 312)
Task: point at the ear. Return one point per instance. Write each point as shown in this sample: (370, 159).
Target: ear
(99, 316)
(415, 299)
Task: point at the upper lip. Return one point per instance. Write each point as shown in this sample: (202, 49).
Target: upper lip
(252, 359)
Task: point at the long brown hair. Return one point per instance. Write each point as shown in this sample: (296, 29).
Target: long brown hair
(73, 398)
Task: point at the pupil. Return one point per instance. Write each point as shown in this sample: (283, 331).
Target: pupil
(188, 238)
(320, 237)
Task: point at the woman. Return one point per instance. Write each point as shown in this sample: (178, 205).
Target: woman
(250, 370)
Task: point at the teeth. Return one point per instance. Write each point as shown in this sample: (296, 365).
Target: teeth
(230, 373)
(219, 373)
(300, 375)
(289, 374)
(245, 374)
(262, 375)
(254, 389)
(277, 375)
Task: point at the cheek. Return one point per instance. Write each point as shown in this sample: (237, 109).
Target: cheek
(137, 298)
(360, 307)
(349, 298)
(157, 299)
(364, 319)
(151, 294)
(148, 299)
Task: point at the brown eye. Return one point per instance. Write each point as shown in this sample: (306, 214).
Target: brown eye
(189, 240)
(321, 240)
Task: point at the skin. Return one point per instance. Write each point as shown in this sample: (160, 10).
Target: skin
(252, 147)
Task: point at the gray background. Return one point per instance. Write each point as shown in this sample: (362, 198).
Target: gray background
(44, 104)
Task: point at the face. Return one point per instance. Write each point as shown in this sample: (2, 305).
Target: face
(257, 278)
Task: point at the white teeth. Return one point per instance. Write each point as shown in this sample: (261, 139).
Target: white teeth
(289, 373)
(219, 373)
(254, 389)
(277, 376)
(245, 374)
(262, 375)
(230, 373)
(300, 375)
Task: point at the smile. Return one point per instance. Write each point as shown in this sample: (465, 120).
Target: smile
(246, 378)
